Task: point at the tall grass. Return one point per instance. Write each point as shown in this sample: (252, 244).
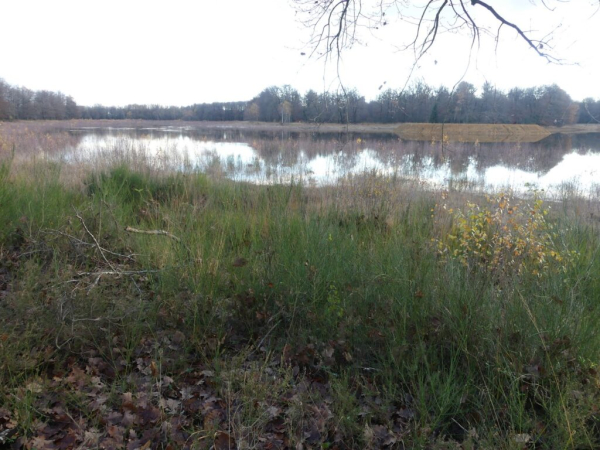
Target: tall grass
(344, 284)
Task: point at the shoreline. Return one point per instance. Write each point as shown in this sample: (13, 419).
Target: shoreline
(307, 127)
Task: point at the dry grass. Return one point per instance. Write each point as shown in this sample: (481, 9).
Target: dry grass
(578, 128)
(459, 132)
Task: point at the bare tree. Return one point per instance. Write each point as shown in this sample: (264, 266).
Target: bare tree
(336, 24)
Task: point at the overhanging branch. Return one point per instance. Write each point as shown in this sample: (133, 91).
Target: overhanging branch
(536, 45)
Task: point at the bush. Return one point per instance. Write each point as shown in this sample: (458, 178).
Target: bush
(505, 237)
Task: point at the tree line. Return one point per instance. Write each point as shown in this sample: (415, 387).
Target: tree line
(19, 103)
(543, 105)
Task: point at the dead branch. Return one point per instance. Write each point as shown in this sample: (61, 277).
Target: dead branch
(536, 45)
(334, 23)
(155, 232)
(84, 243)
(589, 112)
(118, 272)
(100, 249)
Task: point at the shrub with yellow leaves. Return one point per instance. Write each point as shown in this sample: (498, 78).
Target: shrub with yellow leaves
(506, 237)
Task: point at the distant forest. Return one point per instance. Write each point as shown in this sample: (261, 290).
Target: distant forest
(544, 105)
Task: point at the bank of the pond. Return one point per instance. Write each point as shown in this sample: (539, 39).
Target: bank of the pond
(418, 128)
(148, 310)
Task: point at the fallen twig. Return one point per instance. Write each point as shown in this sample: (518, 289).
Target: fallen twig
(118, 272)
(100, 249)
(157, 232)
(80, 242)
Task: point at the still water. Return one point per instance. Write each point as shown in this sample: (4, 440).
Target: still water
(559, 164)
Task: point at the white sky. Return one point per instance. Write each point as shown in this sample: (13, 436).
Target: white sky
(180, 52)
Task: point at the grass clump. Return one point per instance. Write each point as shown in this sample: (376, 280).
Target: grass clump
(130, 187)
(288, 316)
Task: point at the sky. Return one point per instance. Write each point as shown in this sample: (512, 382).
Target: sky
(181, 52)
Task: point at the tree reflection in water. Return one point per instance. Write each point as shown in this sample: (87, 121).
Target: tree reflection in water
(322, 158)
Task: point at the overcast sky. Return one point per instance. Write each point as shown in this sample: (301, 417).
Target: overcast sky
(180, 52)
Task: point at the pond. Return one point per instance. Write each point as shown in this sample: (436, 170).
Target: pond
(558, 164)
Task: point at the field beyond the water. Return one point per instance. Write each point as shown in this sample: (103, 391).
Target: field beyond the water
(472, 132)
(462, 132)
(142, 309)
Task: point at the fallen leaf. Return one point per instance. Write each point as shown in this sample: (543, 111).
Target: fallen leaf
(116, 432)
(40, 443)
(154, 369)
(224, 441)
(34, 387)
(173, 405)
(91, 438)
(178, 337)
(522, 438)
(273, 411)
(149, 415)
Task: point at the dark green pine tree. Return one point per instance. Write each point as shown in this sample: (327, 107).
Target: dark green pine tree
(433, 117)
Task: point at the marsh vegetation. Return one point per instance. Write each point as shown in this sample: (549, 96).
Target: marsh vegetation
(144, 306)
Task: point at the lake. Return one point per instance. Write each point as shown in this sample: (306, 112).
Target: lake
(559, 164)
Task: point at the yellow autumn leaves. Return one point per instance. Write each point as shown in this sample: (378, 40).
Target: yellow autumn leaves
(506, 237)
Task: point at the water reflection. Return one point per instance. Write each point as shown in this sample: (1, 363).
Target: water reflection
(323, 158)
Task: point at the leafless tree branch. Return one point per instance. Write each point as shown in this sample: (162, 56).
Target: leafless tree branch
(585, 105)
(334, 23)
(538, 46)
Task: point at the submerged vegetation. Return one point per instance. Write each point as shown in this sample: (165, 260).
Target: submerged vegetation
(146, 309)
